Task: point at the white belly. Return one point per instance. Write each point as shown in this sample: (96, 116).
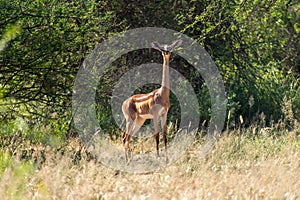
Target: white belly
(147, 116)
(161, 111)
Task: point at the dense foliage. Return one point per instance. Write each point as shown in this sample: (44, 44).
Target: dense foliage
(255, 45)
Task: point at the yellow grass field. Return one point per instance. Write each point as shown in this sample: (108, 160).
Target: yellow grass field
(239, 167)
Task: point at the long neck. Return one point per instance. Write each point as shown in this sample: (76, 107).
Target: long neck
(165, 85)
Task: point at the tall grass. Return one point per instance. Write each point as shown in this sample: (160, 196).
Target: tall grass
(259, 163)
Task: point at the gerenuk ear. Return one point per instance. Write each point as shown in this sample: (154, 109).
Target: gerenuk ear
(174, 45)
(157, 46)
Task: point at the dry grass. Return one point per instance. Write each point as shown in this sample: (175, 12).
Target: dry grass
(245, 167)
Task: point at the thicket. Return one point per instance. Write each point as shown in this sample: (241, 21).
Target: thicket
(255, 45)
